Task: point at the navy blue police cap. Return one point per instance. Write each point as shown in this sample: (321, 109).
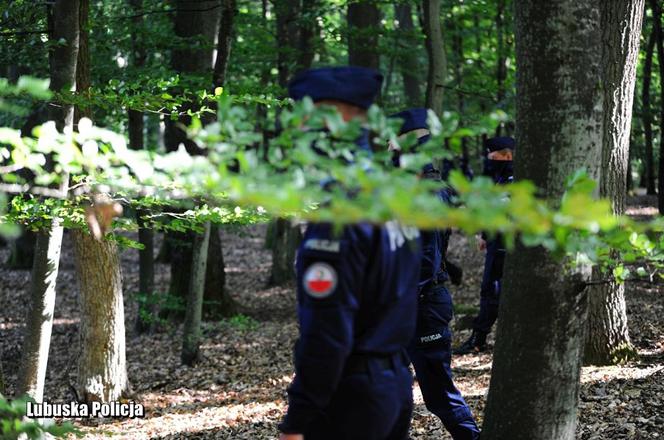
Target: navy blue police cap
(351, 84)
(413, 119)
(499, 143)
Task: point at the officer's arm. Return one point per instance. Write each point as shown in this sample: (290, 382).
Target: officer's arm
(330, 271)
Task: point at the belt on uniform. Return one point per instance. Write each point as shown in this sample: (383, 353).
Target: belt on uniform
(359, 363)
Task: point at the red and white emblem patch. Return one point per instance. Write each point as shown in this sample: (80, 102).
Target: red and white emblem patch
(320, 279)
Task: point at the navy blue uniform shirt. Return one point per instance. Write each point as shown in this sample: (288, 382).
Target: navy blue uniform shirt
(357, 295)
(434, 248)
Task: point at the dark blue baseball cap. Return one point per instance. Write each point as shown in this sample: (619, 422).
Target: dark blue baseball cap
(351, 84)
(499, 143)
(413, 119)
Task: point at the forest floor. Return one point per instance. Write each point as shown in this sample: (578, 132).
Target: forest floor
(237, 391)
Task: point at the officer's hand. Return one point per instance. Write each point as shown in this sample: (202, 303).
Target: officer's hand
(481, 243)
(283, 436)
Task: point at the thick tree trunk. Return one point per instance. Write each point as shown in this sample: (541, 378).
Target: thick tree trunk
(364, 26)
(191, 334)
(657, 17)
(22, 251)
(286, 239)
(224, 41)
(408, 64)
(437, 60)
(647, 114)
(537, 357)
(39, 321)
(608, 335)
(218, 303)
(102, 368)
(199, 22)
(63, 20)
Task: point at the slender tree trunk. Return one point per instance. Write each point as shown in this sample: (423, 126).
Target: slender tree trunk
(39, 321)
(308, 26)
(102, 368)
(657, 17)
(408, 64)
(537, 357)
(147, 304)
(608, 335)
(501, 66)
(364, 26)
(647, 114)
(192, 322)
(437, 60)
(63, 20)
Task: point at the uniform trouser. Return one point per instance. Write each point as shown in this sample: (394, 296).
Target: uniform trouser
(373, 405)
(431, 354)
(490, 289)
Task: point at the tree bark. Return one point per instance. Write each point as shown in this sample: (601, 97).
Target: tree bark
(192, 323)
(647, 114)
(657, 17)
(537, 357)
(102, 368)
(286, 239)
(39, 322)
(363, 29)
(224, 42)
(437, 60)
(64, 21)
(22, 251)
(218, 302)
(608, 335)
(408, 61)
(197, 21)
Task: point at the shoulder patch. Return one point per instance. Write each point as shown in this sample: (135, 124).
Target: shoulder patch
(318, 244)
(320, 280)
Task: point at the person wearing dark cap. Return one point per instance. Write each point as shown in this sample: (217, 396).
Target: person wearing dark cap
(357, 302)
(498, 166)
(430, 350)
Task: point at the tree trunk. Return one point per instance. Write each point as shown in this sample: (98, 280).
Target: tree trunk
(224, 41)
(286, 240)
(197, 21)
(608, 335)
(22, 251)
(436, 52)
(39, 321)
(102, 368)
(307, 26)
(408, 61)
(647, 114)
(192, 323)
(501, 66)
(218, 302)
(63, 22)
(537, 357)
(363, 29)
(657, 17)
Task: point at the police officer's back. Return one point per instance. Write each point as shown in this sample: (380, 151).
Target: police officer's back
(356, 291)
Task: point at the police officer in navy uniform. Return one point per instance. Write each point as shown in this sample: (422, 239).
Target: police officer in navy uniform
(498, 166)
(357, 301)
(430, 350)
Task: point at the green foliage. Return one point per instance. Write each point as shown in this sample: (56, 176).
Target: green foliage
(13, 425)
(241, 322)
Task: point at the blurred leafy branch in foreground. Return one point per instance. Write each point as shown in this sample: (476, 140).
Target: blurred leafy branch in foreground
(242, 180)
